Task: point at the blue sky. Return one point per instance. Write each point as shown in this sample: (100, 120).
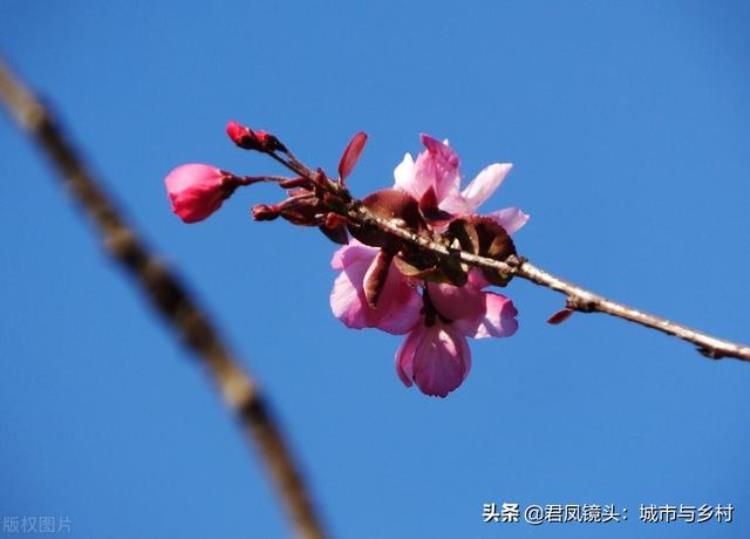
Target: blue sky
(628, 124)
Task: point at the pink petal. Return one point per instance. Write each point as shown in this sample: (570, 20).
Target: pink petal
(498, 319)
(347, 305)
(351, 253)
(347, 297)
(186, 176)
(441, 359)
(405, 355)
(404, 176)
(511, 219)
(457, 302)
(486, 182)
(455, 204)
(437, 167)
(399, 304)
(477, 279)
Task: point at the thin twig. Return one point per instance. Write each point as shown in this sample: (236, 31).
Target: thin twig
(238, 388)
(582, 300)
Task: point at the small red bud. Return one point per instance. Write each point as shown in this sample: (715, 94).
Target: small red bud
(302, 210)
(246, 138)
(268, 142)
(264, 212)
(242, 136)
(292, 183)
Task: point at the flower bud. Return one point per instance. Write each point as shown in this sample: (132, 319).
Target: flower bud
(264, 212)
(293, 183)
(242, 136)
(268, 142)
(246, 138)
(197, 190)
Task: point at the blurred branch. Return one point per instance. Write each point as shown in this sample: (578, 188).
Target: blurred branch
(168, 295)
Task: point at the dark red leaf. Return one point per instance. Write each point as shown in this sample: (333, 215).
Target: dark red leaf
(376, 276)
(494, 242)
(466, 234)
(336, 234)
(428, 205)
(351, 155)
(394, 204)
(454, 271)
(302, 211)
(388, 204)
(334, 227)
(560, 316)
(410, 270)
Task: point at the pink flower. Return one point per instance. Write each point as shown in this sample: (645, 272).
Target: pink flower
(197, 190)
(436, 357)
(398, 305)
(477, 314)
(434, 180)
(435, 354)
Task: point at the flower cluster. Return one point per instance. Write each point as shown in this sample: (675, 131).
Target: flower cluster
(384, 282)
(436, 316)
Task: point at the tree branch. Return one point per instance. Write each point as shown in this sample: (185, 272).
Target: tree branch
(577, 298)
(171, 299)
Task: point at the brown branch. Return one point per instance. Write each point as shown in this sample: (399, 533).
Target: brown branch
(238, 389)
(577, 298)
(582, 300)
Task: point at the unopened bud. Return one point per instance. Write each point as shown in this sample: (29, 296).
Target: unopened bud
(197, 190)
(246, 138)
(242, 136)
(303, 209)
(268, 142)
(264, 212)
(293, 183)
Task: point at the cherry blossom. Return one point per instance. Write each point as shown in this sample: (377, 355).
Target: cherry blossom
(434, 180)
(197, 190)
(437, 316)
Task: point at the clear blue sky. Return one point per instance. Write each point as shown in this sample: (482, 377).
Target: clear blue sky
(628, 124)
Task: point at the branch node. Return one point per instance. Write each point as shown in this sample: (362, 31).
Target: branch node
(580, 304)
(711, 353)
